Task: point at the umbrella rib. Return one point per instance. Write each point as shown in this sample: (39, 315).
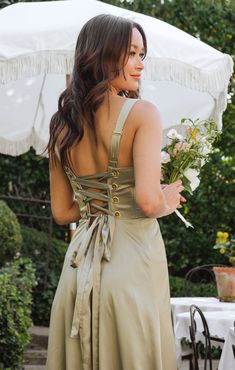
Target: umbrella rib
(39, 100)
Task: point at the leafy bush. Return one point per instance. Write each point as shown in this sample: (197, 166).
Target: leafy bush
(47, 260)
(16, 282)
(10, 235)
(180, 288)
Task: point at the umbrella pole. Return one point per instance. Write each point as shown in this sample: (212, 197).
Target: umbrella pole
(72, 225)
(67, 80)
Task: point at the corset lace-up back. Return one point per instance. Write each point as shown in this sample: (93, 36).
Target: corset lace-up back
(114, 189)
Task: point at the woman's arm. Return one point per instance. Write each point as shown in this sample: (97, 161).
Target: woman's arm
(154, 201)
(63, 205)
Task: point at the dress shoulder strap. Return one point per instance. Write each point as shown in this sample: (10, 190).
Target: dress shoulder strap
(117, 133)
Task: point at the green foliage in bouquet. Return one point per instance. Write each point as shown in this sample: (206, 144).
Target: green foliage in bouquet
(16, 282)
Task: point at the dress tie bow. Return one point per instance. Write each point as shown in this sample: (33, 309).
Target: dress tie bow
(93, 248)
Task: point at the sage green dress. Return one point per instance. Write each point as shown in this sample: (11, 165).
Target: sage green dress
(111, 310)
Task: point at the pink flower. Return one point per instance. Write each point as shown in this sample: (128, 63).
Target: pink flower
(181, 147)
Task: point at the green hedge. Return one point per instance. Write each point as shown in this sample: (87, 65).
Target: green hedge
(10, 235)
(47, 260)
(180, 288)
(16, 282)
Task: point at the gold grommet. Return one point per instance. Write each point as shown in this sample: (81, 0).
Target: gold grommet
(115, 199)
(114, 186)
(115, 173)
(117, 214)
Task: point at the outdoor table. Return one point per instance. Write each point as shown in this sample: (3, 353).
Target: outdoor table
(227, 360)
(182, 304)
(219, 323)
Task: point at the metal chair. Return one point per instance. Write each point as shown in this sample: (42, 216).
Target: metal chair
(200, 274)
(233, 346)
(192, 330)
(208, 338)
(187, 353)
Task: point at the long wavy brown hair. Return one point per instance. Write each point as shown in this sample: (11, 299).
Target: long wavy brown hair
(101, 52)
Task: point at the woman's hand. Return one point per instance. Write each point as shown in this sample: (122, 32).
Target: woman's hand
(172, 196)
(182, 199)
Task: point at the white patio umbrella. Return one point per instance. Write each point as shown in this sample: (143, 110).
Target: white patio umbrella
(183, 76)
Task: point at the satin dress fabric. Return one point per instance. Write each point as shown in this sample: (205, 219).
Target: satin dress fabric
(111, 310)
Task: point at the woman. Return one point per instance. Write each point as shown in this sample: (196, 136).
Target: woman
(111, 309)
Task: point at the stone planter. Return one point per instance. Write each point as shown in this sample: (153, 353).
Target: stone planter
(225, 280)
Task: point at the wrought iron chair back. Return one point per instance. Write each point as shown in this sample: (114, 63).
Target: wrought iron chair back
(233, 346)
(193, 330)
(187, 353)
(200, 274)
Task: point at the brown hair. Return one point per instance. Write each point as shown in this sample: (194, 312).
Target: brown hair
(103, 42)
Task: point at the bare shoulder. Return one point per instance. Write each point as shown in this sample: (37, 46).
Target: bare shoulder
(147, 113)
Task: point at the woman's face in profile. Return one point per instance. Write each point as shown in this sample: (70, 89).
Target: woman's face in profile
(129, 77)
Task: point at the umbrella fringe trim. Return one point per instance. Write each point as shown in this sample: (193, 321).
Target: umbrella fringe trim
(15, 148)
(212, 80)
(26, 66)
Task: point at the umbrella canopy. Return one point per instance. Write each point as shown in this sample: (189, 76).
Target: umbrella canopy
(183, 76)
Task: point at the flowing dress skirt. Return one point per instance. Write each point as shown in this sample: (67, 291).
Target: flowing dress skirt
(132, 329)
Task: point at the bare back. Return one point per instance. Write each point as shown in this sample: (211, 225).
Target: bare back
(89, 157)
(139, 151)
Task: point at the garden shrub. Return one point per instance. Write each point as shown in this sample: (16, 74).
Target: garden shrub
(10, 235)
(180, 288)
(47, 260)
(16, 282)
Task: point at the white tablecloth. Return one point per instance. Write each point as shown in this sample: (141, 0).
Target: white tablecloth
(182, 304)
(218, 322)
(227, 360)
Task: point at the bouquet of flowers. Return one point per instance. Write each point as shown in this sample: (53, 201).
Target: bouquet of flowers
(184, 155)
(226, 245)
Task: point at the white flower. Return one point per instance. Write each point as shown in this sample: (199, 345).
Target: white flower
(172, 134)
(192, 176)
(165, 157)
(206, 146)
(206, 149)
(179, 137)
(203, 162)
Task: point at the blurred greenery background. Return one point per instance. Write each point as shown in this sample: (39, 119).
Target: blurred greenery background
(212, 206)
